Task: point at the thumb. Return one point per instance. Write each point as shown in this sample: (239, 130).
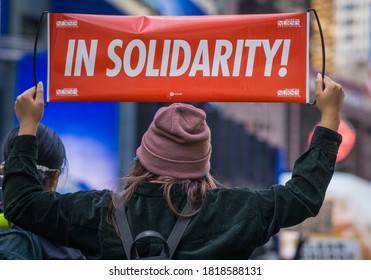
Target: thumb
(319, 83)
(39, 97)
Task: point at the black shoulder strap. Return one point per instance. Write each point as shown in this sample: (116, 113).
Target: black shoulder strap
(125, 233)
(178, 230)
(174, 237)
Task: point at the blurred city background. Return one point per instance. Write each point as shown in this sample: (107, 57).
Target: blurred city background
(254, 144)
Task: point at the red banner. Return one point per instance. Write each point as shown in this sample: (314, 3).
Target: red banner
(257, 58)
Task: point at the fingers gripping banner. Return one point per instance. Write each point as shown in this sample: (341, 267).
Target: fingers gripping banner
(229, 58)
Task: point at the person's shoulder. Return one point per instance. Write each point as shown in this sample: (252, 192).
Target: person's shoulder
(92, 196)
(226, 191)
(95, 193)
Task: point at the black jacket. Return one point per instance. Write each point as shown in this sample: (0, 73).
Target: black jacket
(231, 224)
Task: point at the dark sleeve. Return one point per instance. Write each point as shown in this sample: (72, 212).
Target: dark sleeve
(244, 218)
(70, 219)
(302, 196)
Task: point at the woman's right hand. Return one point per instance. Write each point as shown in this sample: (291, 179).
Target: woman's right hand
(329, 100)
(29, 108)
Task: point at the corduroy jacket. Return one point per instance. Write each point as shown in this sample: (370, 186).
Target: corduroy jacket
(231, 223)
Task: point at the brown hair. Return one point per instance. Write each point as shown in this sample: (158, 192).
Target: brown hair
(195, 189)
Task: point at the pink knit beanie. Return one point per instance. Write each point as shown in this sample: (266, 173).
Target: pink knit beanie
(177, 143)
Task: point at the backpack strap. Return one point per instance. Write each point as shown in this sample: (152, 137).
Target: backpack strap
(150, 233)
(178, 230)
(172, 242)
(125, 233)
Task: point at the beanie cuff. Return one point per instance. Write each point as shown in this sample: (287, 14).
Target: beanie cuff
(178, 169)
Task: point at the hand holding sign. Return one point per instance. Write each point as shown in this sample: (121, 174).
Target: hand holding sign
(29, 108)
(329, 101)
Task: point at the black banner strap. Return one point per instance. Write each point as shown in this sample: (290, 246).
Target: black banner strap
(323, 49)
(35, 50)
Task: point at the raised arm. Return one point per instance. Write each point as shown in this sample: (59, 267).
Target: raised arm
(303, 195)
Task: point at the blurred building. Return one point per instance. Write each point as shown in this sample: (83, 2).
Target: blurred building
(348, 38)
(352, 38)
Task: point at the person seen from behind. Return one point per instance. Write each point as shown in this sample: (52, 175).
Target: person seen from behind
(171, 168)
(51, 162)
